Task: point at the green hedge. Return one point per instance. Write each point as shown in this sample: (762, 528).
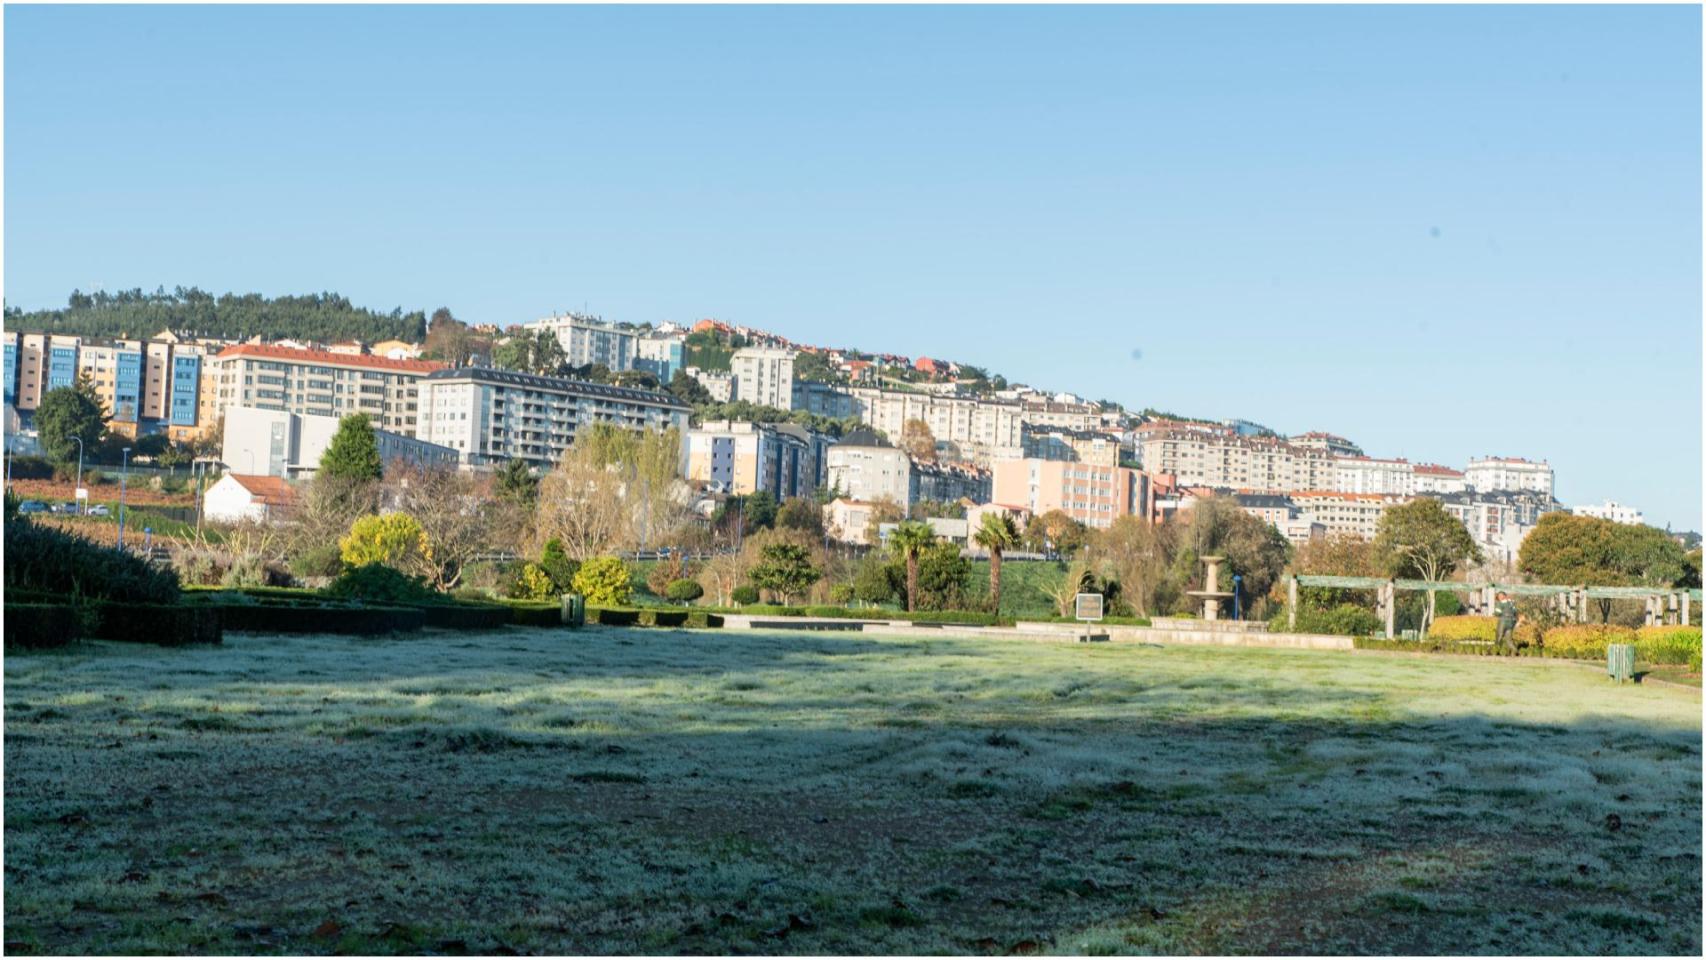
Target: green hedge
(1432, 645)
(652, 617)
(41, 626)
(170, 625)
(963, 617)
(1668, 645)
(466, 616)
(46, 559)
(353, 621)
(1584, 641)
(529, 614)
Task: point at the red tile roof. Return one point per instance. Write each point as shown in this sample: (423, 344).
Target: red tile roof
(1437, 470)
(326, 356)
(269, 490)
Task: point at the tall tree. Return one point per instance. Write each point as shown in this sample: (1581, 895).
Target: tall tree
(996, 533)
(353, 453)
(448, 339)
(689, 390)
(1135, 553)
(537, 352)
(68, 412)
(784, 569)
(1588, 551)
(918, 442)
(1420, 539)
(909, 538)
(1217, 526)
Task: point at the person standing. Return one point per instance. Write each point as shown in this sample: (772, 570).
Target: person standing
(1505, 610)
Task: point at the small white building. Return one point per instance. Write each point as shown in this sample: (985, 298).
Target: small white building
(1613, 511)
(1508, 473)
(239, 497)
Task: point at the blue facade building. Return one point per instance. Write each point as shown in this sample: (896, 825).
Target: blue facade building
(61, 367)
(127, 386)
(186, 385)
(11, 373)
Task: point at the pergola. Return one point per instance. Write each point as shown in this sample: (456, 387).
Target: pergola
(1664, 604)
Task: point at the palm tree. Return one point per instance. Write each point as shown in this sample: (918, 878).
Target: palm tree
(997, 533)
(910, 538)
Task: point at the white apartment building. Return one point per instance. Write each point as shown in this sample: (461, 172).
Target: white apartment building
(741, 457)
(1370, 475)
(1345, 514)
(1613, 511)
(490, 416)
(984, 430)
(660, 354)
(764, 376)
(865, 468)
(275, 443)
(1222, 459)
(1433, 478)
(1331, 442)
(321, 383)
(1509, 473)
(1055, 413)
(588, 340)
(721, 386)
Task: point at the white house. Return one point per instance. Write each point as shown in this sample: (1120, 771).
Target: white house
(239, 497)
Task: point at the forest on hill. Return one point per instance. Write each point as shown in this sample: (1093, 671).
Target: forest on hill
(326, 317)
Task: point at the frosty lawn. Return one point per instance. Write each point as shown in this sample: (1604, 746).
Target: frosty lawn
(657, 791)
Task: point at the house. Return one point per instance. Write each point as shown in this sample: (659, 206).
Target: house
(847, 520)
(239, 497)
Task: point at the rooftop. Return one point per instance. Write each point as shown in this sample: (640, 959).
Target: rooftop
(273, 351)
(529, 381)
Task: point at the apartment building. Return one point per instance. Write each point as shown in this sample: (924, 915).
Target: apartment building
(1345, 514)
(1489, 515)
(1509, 473)
(864, 468)
(322, 383)
(984, 430)
(1434, 478)
(721, 386)
(1070, 416)
(588, 340)
(35, 364)
(823, 400)
(277, 443)
(490, 416)
(764, 376)
(950, 483)
(146, 386)
(1277, 510)
(740, 457)
(1372, 475)
(660, 354)
(1613, 511)
(1224, 459)
(1330, 442)
(1092, 495)
(1084, 446)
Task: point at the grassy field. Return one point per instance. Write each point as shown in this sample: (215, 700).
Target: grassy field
(663, 792)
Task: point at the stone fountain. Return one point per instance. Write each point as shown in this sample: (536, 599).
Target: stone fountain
(1211, 594)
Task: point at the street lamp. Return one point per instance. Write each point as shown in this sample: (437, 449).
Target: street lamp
(123, 475)
(81, 504)
(1237, 597)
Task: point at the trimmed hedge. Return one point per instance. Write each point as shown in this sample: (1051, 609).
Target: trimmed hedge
(1432, 645)
(1464, 627)
(466, 616)
(352, 621)
(169, 625)
(652, 617)
(46, 559)
(1669, 645)
(41, 626)
(535, 614)
(975, 618)
(1584, 641)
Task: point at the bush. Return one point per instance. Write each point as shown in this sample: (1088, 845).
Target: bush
(744, 594)
(252, 571)
(1463, 628)
(603, 581)
(32, 468)
(683, 591)
(651, 617)
(535, 614)
(393, 539)
(1584, 641)
(841, 593)
(39, 626)
(557, 565)
(1668, 645)
(1430, 645)
(466, 616)
(1343, 620)
(51, 561)
(376, 582)
(532, 583)
(169, 625)
(325, 618)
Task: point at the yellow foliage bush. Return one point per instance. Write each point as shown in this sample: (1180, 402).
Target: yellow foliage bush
(1585, 641)
(1458, 629)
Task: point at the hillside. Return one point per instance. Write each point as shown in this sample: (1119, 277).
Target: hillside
(133, 313)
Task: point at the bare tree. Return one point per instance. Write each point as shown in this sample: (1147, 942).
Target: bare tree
(453, 510)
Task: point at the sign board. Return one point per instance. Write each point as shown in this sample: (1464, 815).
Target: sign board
(82, 493)
(1087, 606)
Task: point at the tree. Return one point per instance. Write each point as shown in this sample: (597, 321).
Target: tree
(1217, 526)
(874, 580)
(67, 412)
(785, 569)
(1135, 554)
(448, 339)
(151, 445)
(1056, 531)
(883, 510)
(1420, 539)
(1588, 551)
(918, 442)
(801, 514)
(749, 513)
(688, 389)
(996, 533)
(537, 352)
(353, 453)
(392, 539)
(453, 517)
(944, 577)
(909, 539)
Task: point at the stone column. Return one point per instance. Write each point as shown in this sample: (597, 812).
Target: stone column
(1291, 604)
(1391, 592)
(1687, 598)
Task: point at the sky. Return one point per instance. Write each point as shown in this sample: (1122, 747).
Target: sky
(1443, 232)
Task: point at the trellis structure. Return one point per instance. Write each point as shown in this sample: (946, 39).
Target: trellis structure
(1664, 604)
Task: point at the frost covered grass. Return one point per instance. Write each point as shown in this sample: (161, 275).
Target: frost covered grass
(661, 791)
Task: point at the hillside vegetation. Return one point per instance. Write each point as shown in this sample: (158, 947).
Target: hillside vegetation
(234, 316)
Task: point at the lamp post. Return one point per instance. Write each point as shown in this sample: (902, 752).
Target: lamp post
(123, 475)
(81, 504)
(1237, 596)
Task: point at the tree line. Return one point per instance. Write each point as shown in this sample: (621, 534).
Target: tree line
(137, 313)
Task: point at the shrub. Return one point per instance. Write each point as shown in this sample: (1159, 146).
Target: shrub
(39, 626)
(1463, 628)
(465, 616)
(683, 591)
(42, 558)
(165, 624)
(785, 569)
(322, 560)
(376, 582)
(841, 593)
(744, 594)
(1344, 620)
(558, 566)
(32, 468)
(249, 570)
(535, 614)
(393, 539)
(1662, 644)
(532, 583)
(603, 581)
(1584, 641)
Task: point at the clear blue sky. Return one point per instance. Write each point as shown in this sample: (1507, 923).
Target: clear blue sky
(1442, 232)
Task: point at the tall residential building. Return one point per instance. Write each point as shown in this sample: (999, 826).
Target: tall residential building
(823, 400)
(588, 340)
(764, 376)
(1345, 514)
(741, 458)
(1092, 495)
(984, 430)
(660, 354)
(1331, 442)
(146, 386)
(1498, 520)
(1509, 473)
(1371, 475)
(1223, 459)
(1084, 446)
(1277, 510)
(37, 363)
(864, 468)
(1613, 511)
(950, 483)
(1433, 478)
(1050, 413)
(322, 383)
(495, 415)
(721, 386)
(275, 443)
